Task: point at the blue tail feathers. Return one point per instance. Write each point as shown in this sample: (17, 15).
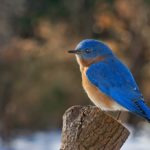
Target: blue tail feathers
(144, 110)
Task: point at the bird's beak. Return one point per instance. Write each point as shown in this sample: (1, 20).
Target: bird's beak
(75, 51)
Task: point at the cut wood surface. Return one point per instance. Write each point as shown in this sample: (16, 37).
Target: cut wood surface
(89, 128)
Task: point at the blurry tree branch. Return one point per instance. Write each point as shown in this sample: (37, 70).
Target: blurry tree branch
(87, 127)
(9, 11)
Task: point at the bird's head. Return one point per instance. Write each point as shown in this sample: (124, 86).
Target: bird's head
(90, 50)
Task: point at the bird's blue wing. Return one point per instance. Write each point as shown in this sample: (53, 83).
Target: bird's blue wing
(115, 80)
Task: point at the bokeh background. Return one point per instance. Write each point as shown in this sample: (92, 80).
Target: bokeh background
(39, 80)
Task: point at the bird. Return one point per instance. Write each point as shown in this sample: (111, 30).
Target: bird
(107, 81)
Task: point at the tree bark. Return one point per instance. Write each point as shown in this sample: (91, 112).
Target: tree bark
(89, 128)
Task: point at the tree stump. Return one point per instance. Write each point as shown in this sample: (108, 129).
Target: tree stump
(89, 128)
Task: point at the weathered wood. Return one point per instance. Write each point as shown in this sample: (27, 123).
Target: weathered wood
(89, 128)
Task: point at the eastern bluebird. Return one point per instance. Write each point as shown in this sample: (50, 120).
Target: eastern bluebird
(107, 81)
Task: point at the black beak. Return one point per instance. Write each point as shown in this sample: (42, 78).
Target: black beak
(75, 51)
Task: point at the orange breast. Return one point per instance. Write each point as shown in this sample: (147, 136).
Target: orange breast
(97, 97)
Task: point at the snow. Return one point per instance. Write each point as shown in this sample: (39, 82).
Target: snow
(139, 141)
(51, 141)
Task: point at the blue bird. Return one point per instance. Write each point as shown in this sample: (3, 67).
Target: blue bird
(107, 81)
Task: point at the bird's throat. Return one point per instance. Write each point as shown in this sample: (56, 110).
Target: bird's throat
(87, 62)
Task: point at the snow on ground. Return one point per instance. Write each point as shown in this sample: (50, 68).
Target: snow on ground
(38, 141)
(140, 141)
(51, 141)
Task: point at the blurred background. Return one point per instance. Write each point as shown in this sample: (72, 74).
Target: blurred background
(39, 80)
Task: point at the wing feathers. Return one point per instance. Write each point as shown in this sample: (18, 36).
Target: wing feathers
(115, 80)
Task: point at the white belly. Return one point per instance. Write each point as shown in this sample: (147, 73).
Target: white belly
(98, 101)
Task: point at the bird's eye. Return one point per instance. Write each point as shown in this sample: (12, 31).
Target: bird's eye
(88, 50)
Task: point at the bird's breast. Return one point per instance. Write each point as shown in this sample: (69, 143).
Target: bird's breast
(97, 97)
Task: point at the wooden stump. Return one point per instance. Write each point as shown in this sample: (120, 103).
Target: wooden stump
(89, 128)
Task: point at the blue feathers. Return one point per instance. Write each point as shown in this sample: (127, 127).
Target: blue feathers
(110, 76)
(95, 47)
(115, 80)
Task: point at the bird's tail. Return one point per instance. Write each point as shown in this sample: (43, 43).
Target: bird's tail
(145, 110)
